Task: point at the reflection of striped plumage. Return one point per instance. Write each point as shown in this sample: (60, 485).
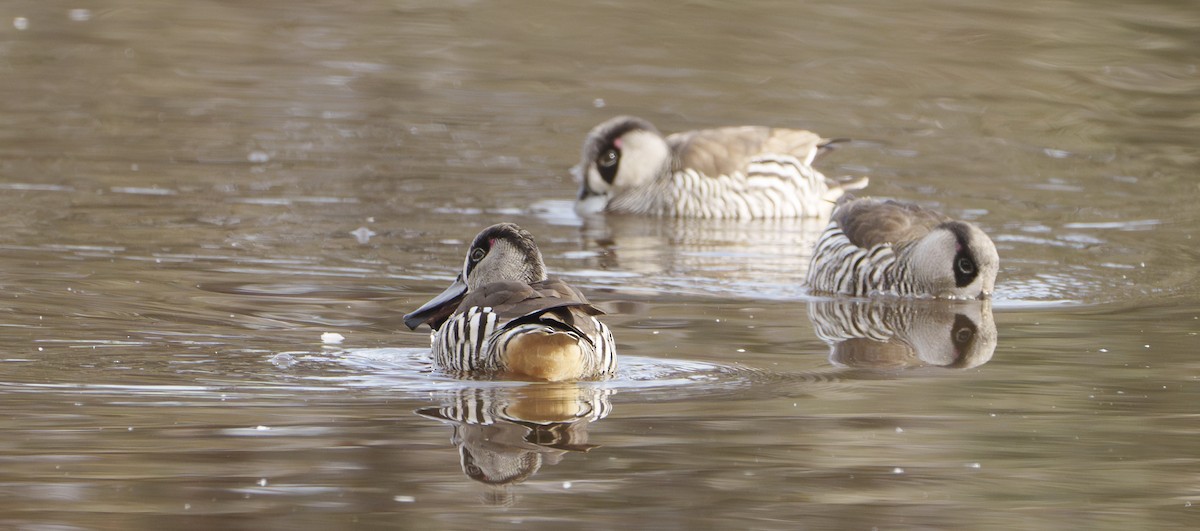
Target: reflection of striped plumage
(874, 246)
(834, 323)
(541, 404)
(504, 317)
(892, 334)
(505, 434)
(732, 172)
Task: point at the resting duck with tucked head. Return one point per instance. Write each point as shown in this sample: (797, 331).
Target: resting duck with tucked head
(882, 246)
(748, 172)
(502, 316)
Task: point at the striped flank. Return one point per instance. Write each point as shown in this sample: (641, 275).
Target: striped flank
(840, 267)
(774, 186)
(472, 342)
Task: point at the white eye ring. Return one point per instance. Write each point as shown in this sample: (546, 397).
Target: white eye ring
(965, 266)
(608, 159)
(478, 254)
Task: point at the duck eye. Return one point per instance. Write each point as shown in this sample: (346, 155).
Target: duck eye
(963, 335)
(965, 265)
(608, 159)
(477, 254)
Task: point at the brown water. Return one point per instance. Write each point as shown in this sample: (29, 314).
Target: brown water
(194, 192)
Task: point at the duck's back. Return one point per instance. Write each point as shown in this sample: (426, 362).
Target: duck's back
(728, 150)
(512, 300)
(870, 222)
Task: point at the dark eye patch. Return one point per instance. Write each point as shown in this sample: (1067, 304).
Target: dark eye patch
(965, 265)
(962, 336)
(607, 163)
(965, 268)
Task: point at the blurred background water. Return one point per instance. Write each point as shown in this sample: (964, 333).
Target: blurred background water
(192, 193)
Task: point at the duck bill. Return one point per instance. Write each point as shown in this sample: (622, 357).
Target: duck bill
(590, 202)
(438, 308)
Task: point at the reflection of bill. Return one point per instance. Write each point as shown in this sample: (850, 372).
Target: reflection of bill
(505, 434)
(890, 333)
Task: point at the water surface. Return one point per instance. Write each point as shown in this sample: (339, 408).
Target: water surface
(194, 192)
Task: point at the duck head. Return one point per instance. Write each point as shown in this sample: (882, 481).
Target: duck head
(956, 260)
(620, 154)
(500, 253)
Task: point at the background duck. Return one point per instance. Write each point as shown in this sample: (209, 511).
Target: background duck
(732, 172)
(503, 316)
(878, 246)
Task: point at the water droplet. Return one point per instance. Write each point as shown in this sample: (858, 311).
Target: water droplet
(598, 103)
(283, 360)
(405, 499)
(332, 338)
(262, 482)
(258, 156)
(897, 470)
(362, 234)
(899, 429)
(566, 484)
(21, 23)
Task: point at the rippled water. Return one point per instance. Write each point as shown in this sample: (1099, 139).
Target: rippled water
(194, 192)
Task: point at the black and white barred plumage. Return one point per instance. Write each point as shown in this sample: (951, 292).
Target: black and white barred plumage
(732, 172)
(888, 334)
(503, 317)
(476, 342)
(874, 246)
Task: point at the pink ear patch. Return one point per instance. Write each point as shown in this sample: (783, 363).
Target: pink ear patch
(617, 143)
(491, 242)
(957, 247)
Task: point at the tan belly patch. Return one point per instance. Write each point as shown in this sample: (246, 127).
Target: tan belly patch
(552, 357)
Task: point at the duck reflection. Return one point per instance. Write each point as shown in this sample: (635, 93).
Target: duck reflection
(701, 255)
(505, 434)
(890, 334)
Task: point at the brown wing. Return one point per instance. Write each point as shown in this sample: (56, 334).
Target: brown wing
(513, 300)
(727, 150)
(870, 222)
